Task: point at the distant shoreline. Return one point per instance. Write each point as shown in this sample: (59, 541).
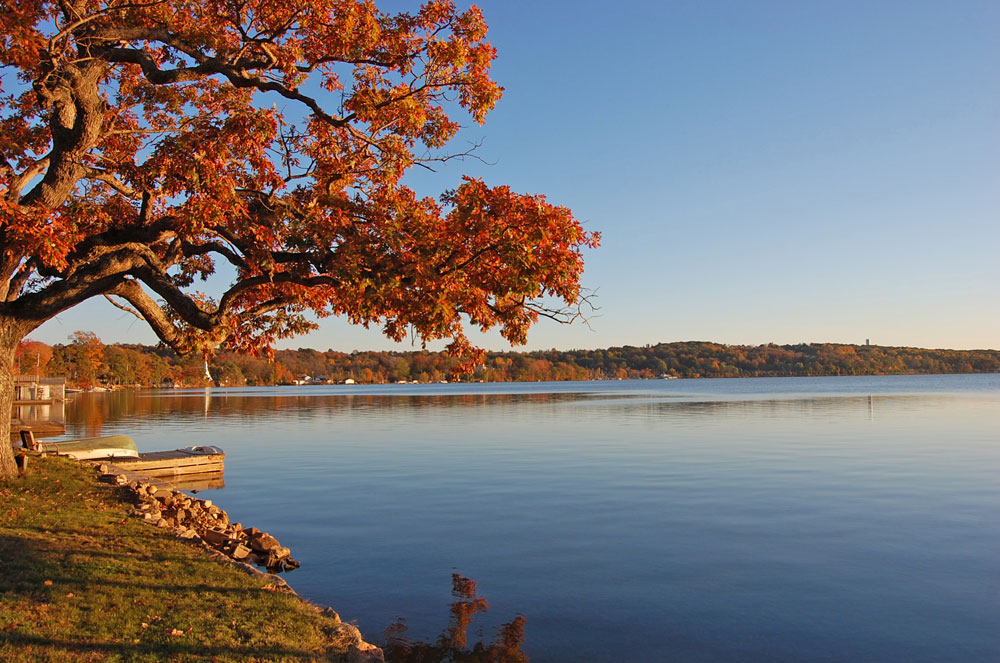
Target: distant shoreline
(121, 365)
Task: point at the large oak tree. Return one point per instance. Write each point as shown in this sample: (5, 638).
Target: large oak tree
(146, 144)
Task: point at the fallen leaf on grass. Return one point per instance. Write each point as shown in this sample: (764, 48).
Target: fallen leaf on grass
(47, 583)
(176, 632)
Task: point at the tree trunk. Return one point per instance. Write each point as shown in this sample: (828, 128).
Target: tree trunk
(10, 337)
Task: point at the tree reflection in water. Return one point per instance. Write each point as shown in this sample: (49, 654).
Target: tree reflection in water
(452, 646)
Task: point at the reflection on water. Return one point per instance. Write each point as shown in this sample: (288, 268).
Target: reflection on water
(54, 411)
(90, 412)
(717, 520)
(197, 482)
(452, 645)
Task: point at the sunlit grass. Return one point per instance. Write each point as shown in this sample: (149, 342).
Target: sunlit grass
(80, 580)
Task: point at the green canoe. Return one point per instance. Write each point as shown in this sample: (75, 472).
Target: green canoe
(111, 446)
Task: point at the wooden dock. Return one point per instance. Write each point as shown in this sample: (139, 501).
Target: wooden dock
(178, 463)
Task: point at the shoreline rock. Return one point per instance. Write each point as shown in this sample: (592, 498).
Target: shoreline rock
(157, 503)
(203, 523)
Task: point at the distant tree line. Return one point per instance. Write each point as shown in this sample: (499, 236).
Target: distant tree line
(86, 362)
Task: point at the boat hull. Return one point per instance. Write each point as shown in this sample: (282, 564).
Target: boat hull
(111, 446)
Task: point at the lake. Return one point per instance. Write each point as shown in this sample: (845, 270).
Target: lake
(784, 519)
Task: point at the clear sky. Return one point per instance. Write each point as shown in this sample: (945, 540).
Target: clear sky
(761, 171)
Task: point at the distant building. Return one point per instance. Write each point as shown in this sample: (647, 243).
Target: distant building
(39, 405)
(31, 388)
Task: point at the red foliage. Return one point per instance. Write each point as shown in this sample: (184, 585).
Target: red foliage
(145, 143)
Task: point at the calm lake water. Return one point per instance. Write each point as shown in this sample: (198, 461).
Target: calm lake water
(788, 519)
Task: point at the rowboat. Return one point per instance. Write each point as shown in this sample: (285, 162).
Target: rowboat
(110, 446)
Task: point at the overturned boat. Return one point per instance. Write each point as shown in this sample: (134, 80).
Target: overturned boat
(86, 448)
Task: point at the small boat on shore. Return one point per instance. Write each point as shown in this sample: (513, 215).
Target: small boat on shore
(85, 448)
(207, 462)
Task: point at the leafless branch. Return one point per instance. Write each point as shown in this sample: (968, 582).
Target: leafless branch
(123, 307)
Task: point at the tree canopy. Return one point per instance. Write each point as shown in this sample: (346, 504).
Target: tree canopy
(145, 145)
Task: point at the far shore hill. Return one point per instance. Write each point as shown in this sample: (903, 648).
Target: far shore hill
(88, 363)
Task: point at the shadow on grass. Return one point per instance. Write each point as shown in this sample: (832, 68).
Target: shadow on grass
(25, 564)
(39, 579)
(157, 649)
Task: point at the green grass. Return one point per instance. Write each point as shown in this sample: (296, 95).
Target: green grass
(81, 580)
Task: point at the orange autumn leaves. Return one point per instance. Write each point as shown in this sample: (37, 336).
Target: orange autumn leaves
(486, 253)
(147, 144)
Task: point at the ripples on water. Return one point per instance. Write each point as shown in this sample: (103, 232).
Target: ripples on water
(815, 519)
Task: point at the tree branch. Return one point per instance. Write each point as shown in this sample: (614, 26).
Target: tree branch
(236, 72)
(234, 258)
(94, 279)
(132, 292)
(22, 180)
(244, 285)
(20, 278)
(112, 181)
(80, 22)
(123, 307)
(177, 299)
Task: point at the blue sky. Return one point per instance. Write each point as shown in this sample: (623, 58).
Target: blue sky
(761, 171)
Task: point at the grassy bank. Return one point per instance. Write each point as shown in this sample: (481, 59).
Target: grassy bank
(81, 580)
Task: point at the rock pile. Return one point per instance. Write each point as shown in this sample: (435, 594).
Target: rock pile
(159, 504)
(192, 518)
